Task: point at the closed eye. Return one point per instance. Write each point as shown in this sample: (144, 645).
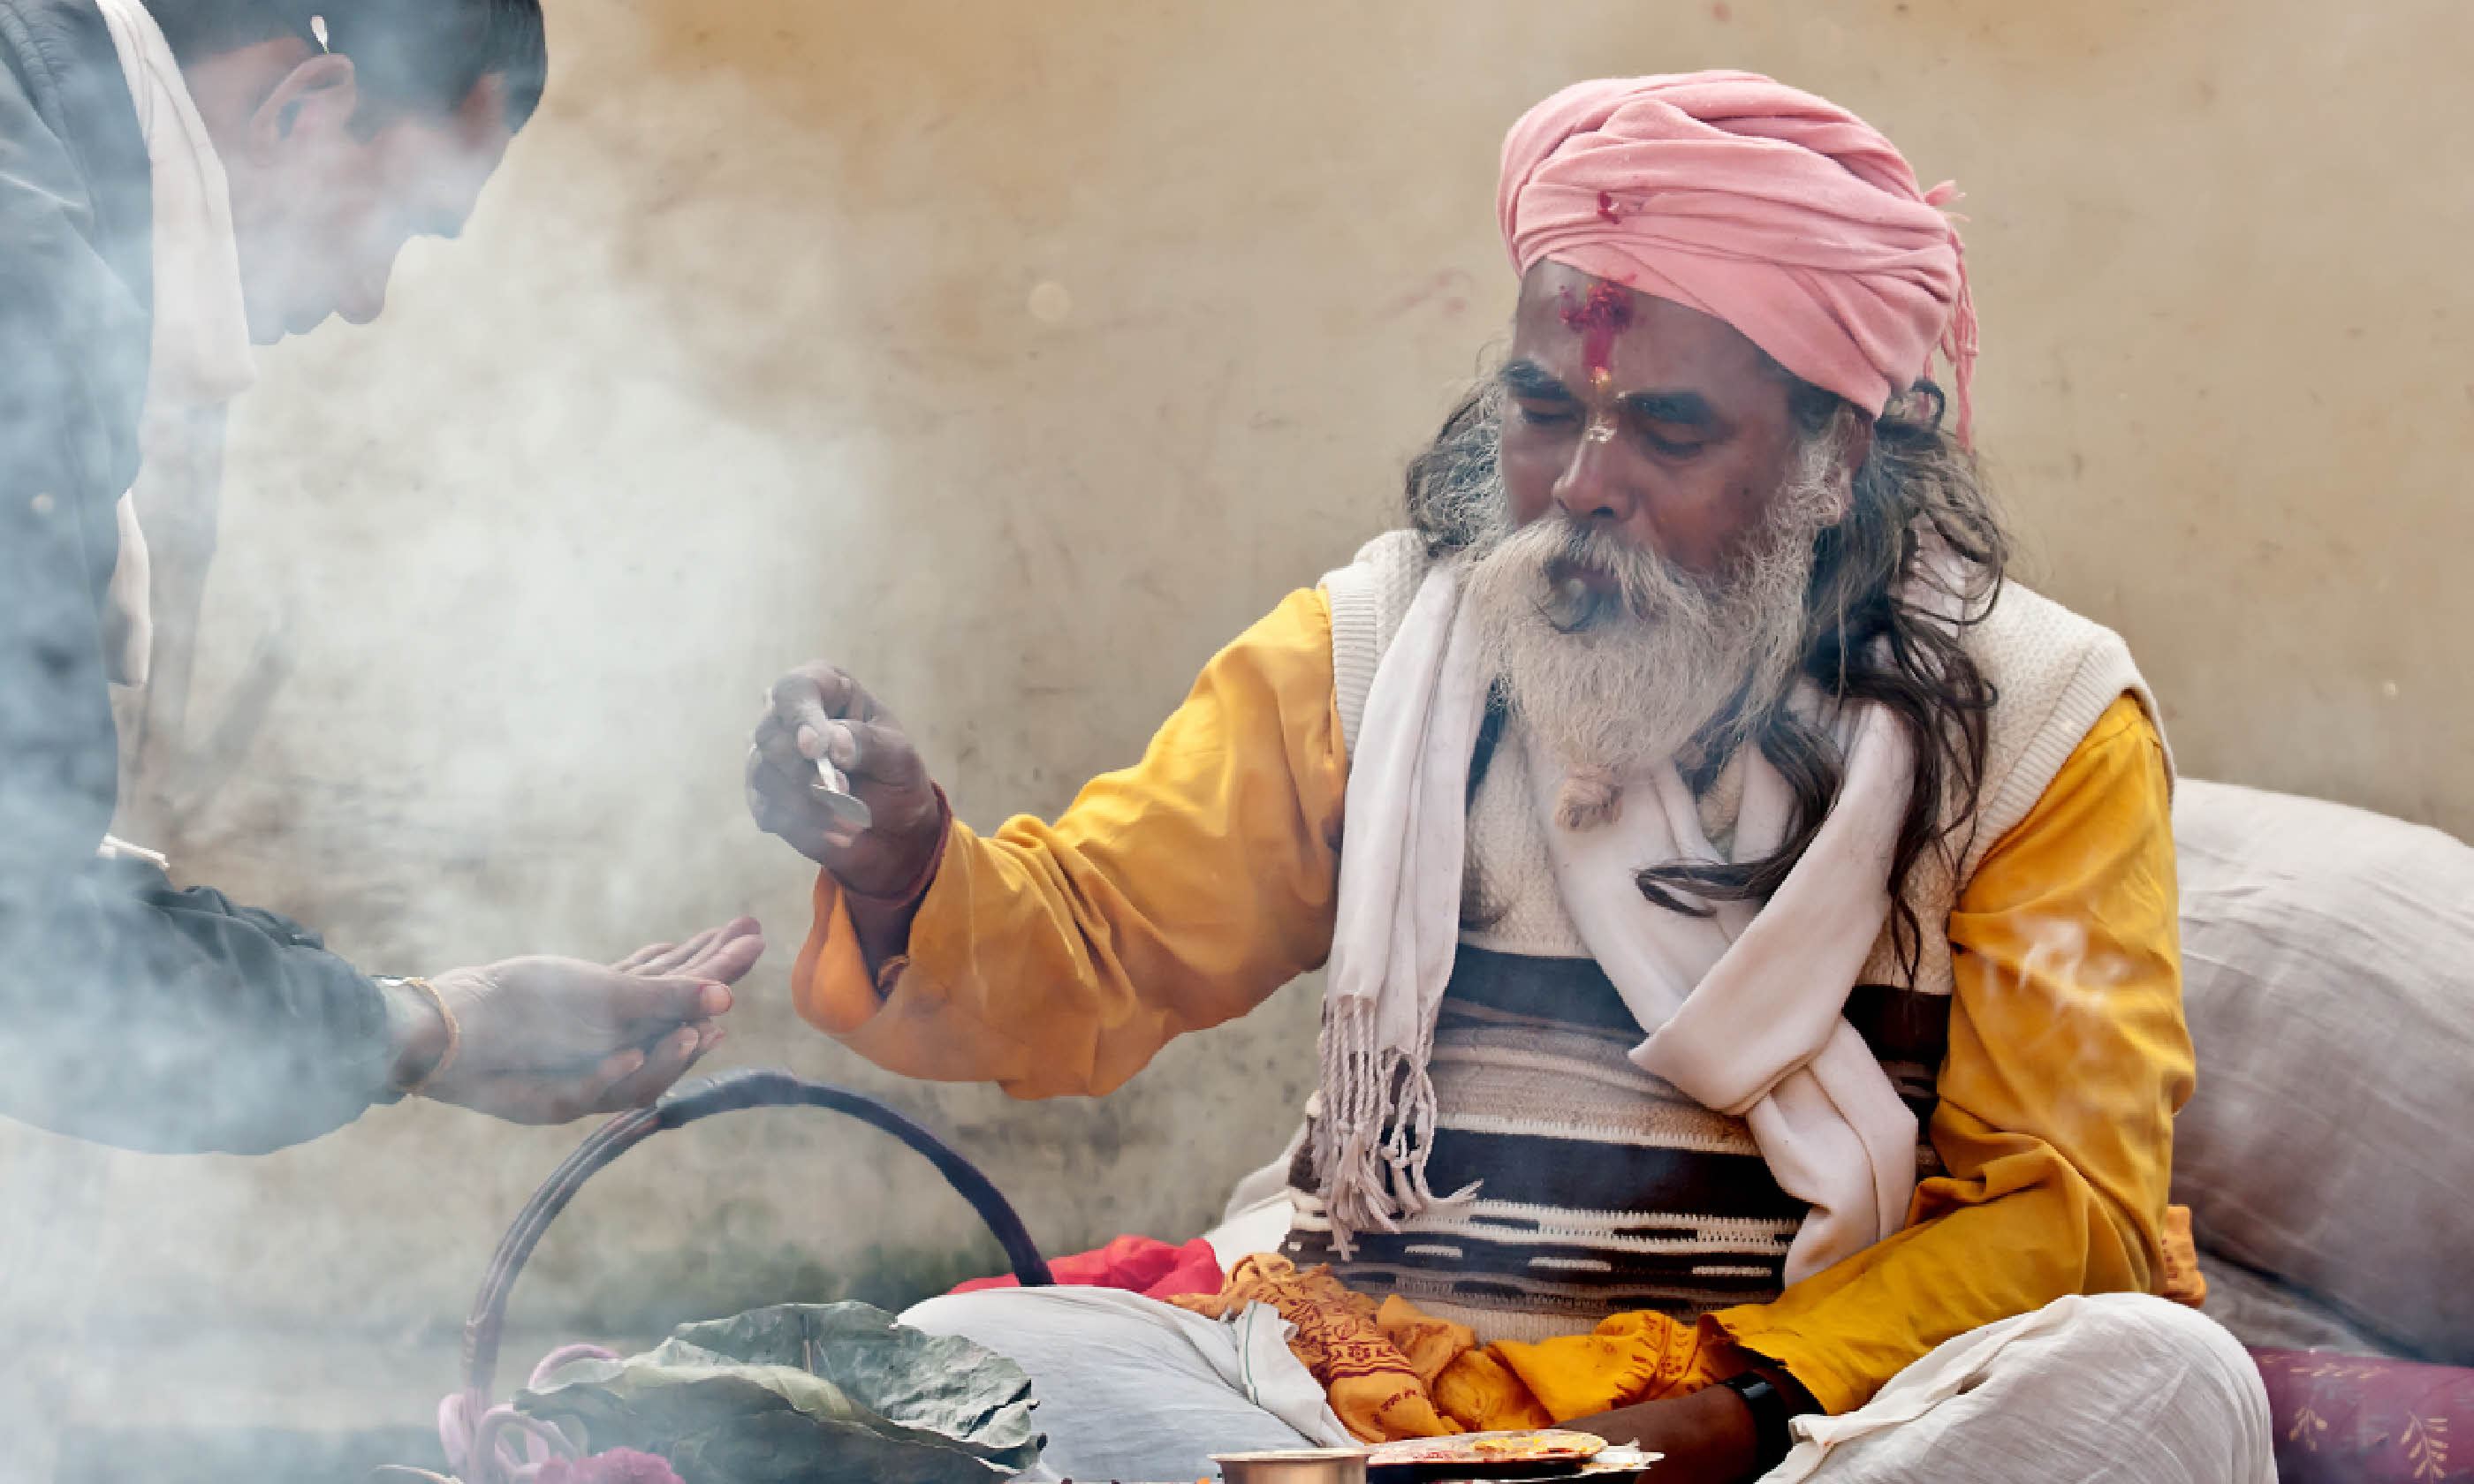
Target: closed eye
(1674, 424)
(1672, 448)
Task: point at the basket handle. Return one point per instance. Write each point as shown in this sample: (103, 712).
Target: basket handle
(745, 1087)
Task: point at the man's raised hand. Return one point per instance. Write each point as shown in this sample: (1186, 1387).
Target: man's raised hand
(818, 713)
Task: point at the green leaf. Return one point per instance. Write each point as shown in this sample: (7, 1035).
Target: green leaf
(817, 1394)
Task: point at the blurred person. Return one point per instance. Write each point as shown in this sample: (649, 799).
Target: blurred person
(1753, 1023)
(177, 181)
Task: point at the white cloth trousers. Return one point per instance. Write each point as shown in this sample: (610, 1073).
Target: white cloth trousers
(2121, 1388)
(1130, 1388)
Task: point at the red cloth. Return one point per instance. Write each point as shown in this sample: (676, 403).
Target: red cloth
(2349, 1420)
(1144, 1264)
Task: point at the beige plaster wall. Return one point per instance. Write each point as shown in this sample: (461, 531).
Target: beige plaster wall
(748, 357)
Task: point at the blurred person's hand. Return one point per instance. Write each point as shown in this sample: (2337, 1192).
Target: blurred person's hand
(818, 713)
(547, 1039)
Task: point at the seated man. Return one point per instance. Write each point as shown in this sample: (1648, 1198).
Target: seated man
(1750, 921)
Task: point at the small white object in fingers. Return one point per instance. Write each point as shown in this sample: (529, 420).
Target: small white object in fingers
(832, 790)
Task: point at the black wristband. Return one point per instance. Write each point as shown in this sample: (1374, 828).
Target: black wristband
(1772, 1439)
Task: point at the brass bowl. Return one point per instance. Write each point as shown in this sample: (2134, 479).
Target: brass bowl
(1295, 1465)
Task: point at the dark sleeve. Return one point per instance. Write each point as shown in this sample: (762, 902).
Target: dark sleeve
(129, 1013)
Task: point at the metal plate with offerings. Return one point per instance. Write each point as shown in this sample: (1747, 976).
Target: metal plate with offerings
(1532, 1456)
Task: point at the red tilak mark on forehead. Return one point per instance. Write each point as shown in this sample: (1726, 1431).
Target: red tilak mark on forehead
(1597, 320)
(1607, 212)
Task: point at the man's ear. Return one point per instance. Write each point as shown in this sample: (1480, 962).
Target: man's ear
(318, 97)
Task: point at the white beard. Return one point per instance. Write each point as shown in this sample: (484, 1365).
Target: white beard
(1615, 684)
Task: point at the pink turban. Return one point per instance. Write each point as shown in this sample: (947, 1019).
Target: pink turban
(1778, 212)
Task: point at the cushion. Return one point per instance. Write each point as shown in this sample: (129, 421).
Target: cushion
(2344, 1420)
(2264, 1313)
(2328, 974)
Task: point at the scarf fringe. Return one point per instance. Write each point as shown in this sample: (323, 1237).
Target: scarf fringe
(1377, 1127)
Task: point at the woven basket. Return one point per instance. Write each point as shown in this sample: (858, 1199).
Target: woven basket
(471, 1426)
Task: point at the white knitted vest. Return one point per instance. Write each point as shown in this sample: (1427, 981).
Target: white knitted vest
(2054, 673)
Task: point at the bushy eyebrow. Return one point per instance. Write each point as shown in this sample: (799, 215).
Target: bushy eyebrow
(1532, 382)
(1687, 409)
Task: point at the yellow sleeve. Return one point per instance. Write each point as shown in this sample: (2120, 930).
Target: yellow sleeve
(2068, 1060)
(1172, 896)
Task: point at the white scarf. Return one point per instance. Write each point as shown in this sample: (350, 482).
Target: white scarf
(1742, 1008)
(199, 355)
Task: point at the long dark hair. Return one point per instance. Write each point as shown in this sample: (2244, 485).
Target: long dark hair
(1919, 558)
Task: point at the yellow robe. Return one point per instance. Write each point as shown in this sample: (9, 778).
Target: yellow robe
(1176, 893)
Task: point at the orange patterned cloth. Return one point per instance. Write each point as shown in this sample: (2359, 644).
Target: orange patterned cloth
(1393, 1371)
(2178, 1276)
(1629, 1358)
(1377, 1389)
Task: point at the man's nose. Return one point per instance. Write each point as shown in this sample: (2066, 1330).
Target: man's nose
(1590, 489)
